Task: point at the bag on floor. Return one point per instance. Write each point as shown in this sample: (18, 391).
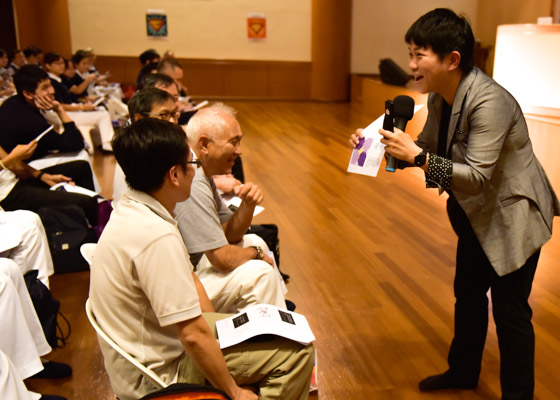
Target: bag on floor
(47, 309)
(268, 233)
(67, 229)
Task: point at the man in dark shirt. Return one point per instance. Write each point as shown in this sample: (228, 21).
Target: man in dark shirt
(22, 120)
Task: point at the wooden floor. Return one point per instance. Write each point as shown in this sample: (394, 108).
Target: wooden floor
(371, 263)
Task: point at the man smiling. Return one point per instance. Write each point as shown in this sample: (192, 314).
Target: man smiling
(233, 267)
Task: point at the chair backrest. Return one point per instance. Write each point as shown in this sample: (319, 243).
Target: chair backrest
(87, 250)
(149, 374)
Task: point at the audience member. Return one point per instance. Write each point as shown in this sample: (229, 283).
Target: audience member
(31, 192)
(149, 60)
(165, 82)
(33, 55)
(79, 83)
(22, 120)
(85, 115)
(17, 60)
(158, 311)
(233, 267)
(23, 240)
(23, 341)
(6, 86)
(149, 102)
(173, 68)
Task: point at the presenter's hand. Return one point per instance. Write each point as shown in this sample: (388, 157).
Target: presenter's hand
(400, 145)
(355, 138)
(251, 194)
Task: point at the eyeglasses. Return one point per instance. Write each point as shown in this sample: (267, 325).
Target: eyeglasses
(166, 115)
(197, 163)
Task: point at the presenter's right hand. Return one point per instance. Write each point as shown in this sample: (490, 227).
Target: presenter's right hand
(355, 138)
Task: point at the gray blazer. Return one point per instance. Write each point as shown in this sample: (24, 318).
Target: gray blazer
(497, 179)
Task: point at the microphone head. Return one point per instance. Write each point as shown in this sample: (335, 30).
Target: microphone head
(403, 107)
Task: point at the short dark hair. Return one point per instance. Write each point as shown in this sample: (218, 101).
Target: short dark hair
(149, 55)
(79, 56)
(169, 62)
(13, 53)
(51, 57)
(147, 149)
(32, 51)
(151, 80)
(2, 52)
(444, 32)
(28, 78)
(143, 100)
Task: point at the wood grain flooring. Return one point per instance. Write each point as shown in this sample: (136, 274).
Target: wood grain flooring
(371, 263)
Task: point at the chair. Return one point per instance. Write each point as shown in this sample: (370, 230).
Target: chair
(86, 250)
(149, 374)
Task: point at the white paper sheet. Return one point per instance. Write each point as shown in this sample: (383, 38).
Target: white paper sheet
(263, 319)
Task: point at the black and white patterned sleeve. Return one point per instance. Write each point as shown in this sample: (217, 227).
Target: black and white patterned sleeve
(440, 172)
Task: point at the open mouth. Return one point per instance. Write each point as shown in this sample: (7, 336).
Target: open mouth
(418, 78)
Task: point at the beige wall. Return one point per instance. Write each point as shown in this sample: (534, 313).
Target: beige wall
(378, 28)
(501, 12)
(211, 29)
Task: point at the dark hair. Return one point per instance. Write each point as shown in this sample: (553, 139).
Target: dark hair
(51, 57)
(2, 52)
(32, 51)
(147, 149)
(143, 100)
(151, 80)
(79, 56)
(444, 32)
(169, 62)
(28, 78)
(13, 54)
(149, 55)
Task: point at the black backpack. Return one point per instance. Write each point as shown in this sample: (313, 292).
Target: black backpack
(47, 309)
(67, 229)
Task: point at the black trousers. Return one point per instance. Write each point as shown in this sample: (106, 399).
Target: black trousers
(32, 194)
(510, 306)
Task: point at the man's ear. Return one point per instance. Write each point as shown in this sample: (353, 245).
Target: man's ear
(28, 95)
(202, 144)
(454, 60)
(172, 175)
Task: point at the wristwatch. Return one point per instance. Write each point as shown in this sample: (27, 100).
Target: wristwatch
(420, 159)
(260, 252)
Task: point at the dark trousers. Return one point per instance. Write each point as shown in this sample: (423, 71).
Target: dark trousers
(510, 306)
(32, 194)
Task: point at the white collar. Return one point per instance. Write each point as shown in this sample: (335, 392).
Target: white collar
(53, 76)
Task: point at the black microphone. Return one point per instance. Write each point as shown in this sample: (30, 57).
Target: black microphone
(403, 111)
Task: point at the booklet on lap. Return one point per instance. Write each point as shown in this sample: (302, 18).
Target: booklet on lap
(263, 319)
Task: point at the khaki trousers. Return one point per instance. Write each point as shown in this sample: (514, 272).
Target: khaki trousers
(279, 368)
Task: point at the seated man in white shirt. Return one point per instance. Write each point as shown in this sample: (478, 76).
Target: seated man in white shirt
(146, 297)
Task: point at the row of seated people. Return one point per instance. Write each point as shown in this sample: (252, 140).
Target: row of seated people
(91, 101)
(161, 311)
(23, 249)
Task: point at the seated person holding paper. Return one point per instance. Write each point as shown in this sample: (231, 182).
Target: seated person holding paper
(234, 268)
(24, 187)
(146, 297)
(22, 119)
(83, 114)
